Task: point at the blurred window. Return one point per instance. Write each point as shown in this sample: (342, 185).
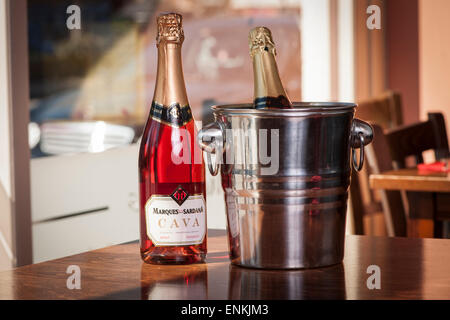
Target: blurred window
(88, 86)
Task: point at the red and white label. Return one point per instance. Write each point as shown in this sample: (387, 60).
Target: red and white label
(170, 223)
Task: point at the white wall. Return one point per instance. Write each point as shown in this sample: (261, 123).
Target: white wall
(6, 255)
(5, 171)
(15, 229)
(316, 50)
(346, 53)
(315, 44)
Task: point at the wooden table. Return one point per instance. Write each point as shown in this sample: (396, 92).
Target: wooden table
(410, 269)
(428, 195)
(412, 180)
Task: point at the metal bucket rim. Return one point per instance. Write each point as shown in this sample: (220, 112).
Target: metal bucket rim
(298, 107)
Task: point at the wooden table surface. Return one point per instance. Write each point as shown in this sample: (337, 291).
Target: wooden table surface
(410, 269)
(428, 194)
(411, 180)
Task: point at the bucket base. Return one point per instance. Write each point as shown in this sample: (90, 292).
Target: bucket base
(285, 236)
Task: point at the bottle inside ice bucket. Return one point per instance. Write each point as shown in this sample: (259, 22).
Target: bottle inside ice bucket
(268, 89)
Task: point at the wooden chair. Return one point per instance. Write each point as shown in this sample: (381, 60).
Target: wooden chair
(392, 202)
(413, 140)
(401, 143)
(386, 112)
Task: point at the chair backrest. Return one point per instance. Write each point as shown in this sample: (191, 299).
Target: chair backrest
(386, 112)
(391, 201)
(414, 139)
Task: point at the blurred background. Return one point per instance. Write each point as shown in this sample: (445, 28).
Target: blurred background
(85, 95)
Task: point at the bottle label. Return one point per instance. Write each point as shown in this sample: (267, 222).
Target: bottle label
(176, 220)
(173, 115)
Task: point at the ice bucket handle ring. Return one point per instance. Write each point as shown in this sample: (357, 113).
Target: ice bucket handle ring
(361, 135)
(211, 139)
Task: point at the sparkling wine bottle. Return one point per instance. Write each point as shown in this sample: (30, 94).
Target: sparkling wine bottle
(268, 89)
(171, 168)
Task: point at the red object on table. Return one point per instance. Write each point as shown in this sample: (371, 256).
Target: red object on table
(435, 166)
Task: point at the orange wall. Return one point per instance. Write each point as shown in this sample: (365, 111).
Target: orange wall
(434, 57)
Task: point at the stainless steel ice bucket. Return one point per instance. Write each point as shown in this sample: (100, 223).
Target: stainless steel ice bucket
(286, 175)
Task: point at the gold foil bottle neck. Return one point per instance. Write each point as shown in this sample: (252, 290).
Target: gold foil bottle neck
(170, 90)
(170, 28)
(268, 89)
(260, 40)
